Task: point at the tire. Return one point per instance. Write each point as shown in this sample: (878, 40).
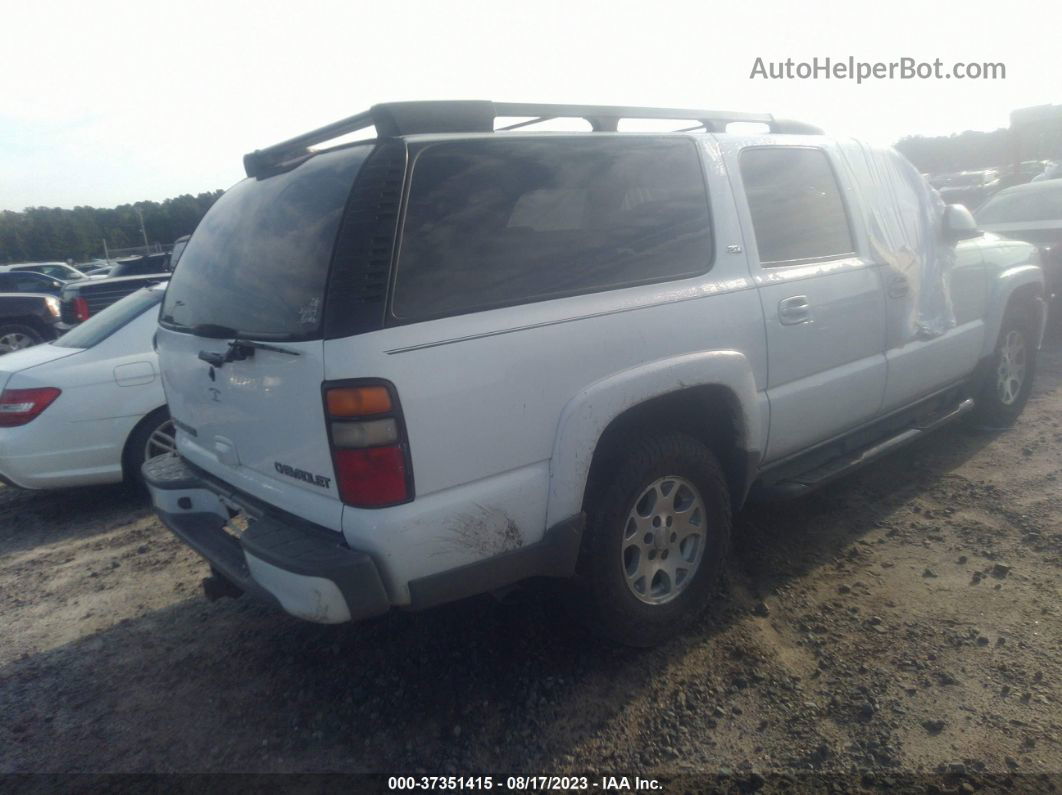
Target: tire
(152, 434)
(15, 337)
(630, 595)
(1008, 383)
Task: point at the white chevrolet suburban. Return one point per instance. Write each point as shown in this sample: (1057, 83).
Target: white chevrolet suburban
(464, 353)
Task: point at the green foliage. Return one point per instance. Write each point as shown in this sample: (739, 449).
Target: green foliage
(967, 151)
(51, 233)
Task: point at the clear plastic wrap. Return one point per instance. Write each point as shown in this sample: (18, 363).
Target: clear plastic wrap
(902, 215)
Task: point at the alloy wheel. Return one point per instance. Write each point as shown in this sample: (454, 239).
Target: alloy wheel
(663, 540)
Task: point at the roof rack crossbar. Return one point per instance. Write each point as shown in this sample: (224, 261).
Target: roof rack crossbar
(406, 118)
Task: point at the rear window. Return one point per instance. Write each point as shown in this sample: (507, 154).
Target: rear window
(795, 203)
(258, 261)
(1029, 205)
(496, 223)
(103, 324)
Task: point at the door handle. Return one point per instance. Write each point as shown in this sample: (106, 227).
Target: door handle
(898, 287)
(795, 310)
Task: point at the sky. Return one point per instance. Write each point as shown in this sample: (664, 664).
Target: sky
(104, 103)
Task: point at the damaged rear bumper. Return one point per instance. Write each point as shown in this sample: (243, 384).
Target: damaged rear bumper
(308, 571)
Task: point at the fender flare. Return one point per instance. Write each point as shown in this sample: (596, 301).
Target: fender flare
(1005, 285)
(590, 411)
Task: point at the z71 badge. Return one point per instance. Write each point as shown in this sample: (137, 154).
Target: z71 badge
(301, 474)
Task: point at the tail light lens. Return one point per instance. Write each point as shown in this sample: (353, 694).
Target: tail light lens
(369, 448)
(81, 309)
(19, 406)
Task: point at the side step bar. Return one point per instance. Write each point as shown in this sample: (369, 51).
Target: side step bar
(802, 483)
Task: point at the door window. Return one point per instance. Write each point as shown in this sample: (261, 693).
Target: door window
(796, 206)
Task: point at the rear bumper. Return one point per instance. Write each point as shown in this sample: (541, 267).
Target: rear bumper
(307, 570)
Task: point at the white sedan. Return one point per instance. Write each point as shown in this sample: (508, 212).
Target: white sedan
(89, 407)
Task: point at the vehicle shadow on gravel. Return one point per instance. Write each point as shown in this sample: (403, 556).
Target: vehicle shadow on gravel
(35, 518)
(200, 686)
(779, 540)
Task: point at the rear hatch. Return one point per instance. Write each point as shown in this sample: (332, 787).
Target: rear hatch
(240, 339)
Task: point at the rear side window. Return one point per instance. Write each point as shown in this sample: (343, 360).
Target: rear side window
(497, 223)
(795, 203)
(258, 260)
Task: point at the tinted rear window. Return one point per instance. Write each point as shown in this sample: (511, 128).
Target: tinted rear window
(795, 203)
(496, 223)
(258, 260)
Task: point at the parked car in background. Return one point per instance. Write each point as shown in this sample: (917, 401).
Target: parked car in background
(81, 300)
(437, 363)
(1052, 170)
(88, 408)
(27, 319)
(141, 266)
(968, 188)
(58, 270)
(1020, 173)
(96, 268)
(29, 282)
(1033, 213)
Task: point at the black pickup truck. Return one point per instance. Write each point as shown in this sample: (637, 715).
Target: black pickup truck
(27, 319)
(82, 299)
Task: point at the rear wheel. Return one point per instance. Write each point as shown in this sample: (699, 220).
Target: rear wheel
(657, 537)
(1007, 386)
(155, 435)
(15, 337)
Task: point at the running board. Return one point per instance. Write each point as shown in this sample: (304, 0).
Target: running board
(802, 483)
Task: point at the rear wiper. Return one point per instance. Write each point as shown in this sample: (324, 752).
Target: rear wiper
(239, 349)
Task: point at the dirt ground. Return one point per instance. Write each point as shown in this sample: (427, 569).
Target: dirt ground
(903, 620)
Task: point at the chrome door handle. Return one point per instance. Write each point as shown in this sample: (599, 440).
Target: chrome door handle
(795, 310)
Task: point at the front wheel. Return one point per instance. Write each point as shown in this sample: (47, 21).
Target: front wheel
(1007, 386)
(657, 537)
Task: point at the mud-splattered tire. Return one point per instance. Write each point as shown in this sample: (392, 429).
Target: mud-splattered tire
(1009, 381)
(657, 537)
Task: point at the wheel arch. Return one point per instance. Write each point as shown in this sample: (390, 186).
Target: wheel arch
(29, 321)
(710, 395)
(148, 417)
(1021, 285)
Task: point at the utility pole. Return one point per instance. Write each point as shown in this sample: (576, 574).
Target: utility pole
(143, 233)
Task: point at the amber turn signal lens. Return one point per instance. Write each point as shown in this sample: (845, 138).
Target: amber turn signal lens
(358, 401)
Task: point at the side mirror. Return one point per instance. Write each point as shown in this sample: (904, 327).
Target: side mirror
(959, 224)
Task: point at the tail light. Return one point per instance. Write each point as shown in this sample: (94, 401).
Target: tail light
(19, 406)
(370, 452)
(81, 309)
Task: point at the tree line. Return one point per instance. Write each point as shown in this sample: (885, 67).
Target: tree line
(52, 233)
(968, 151)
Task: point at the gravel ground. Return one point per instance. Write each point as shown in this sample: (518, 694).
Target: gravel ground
(904, 620)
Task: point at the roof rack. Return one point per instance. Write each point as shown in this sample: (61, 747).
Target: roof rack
(406, 118)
